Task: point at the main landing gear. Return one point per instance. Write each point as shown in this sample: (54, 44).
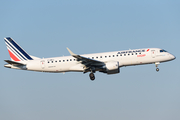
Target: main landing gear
(92, 70)
(92, 77)
(157, 69)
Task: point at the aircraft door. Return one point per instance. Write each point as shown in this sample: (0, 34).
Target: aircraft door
(153, 53)
(42, 62)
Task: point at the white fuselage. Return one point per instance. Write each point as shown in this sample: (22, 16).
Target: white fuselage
(107, 62)
(125, 58)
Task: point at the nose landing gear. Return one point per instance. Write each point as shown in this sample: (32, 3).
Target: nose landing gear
(157, 69)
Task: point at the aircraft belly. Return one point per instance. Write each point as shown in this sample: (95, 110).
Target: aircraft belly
(78, 68)
(64, 67)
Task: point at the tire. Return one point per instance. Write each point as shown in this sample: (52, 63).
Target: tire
(157, 69)
(92, 77)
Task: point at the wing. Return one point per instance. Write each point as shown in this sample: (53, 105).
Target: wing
(86, 61)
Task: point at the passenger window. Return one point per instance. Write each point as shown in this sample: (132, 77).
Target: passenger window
(97, 57)
(136, 53)
(67, 60)
(63, 60)
(120, 54)
(100, 56)
(105, 56)
(109, 56)
(48, 61)
(124, 54)
(128, 54)
(70, 60)
(59, 60)
(113, 55)
(55, 61)
(52, 61)
(132, 54)
(139, 53)
(92, 57)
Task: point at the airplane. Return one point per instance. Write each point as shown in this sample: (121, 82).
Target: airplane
(107, 62)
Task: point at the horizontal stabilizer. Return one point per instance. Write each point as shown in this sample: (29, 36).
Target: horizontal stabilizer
(13, 62)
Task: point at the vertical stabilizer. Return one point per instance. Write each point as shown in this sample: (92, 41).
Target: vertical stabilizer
(15, 51)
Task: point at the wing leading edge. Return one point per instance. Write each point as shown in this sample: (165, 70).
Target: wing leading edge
(86, 61)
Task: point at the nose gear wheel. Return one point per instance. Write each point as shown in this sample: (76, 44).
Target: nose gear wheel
(157, 69)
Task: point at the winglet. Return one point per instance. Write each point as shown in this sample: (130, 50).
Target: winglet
(71, 52)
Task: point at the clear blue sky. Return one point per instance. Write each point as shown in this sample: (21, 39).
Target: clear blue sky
(45, 28)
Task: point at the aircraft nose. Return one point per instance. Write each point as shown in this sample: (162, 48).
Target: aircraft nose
(172, 57)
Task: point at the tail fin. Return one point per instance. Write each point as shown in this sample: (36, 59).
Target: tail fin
(15, 51)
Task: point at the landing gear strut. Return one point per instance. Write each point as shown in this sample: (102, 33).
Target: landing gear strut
(157, 69)
(92, 77)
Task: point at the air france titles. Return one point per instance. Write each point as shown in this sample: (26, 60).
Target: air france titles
(132, 51)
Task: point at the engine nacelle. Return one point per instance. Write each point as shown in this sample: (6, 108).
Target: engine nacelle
(112, 67)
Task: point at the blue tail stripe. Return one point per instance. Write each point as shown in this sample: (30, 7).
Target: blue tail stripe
(21, 50)
(15, 50)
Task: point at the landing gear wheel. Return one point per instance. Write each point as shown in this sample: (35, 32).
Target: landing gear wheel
(92, 77)
(157, 63)
(157, 69)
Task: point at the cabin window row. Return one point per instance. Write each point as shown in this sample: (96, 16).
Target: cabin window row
(94, 57)
(61, 60)
(116, 55)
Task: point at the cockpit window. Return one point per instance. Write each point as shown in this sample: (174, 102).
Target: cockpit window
(163, 51)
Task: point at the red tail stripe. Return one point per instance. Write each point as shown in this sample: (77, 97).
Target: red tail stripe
(13, 56)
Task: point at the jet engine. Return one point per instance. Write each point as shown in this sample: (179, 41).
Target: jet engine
(112, 67)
